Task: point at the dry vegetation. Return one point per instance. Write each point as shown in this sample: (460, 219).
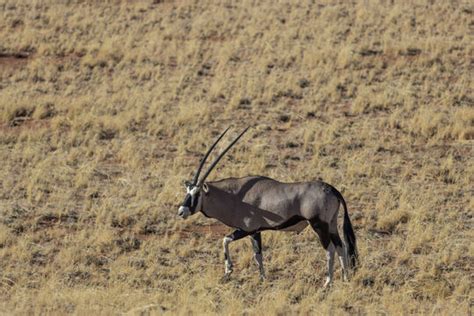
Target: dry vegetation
(106, 107)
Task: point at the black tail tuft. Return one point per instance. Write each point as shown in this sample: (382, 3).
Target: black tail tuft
(350, 240)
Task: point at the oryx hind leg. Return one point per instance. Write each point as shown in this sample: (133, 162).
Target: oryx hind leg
(330, 264)
(236, 235)
(323, 232)
(340, 249)
(257, 252)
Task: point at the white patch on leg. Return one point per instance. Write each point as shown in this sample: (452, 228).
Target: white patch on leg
(228, 263)
(344, 267)
(343, 260)
(330, 264)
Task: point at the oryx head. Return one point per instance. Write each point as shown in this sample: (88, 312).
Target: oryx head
(192, 201)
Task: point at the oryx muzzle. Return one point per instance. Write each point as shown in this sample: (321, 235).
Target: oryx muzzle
(254, 204)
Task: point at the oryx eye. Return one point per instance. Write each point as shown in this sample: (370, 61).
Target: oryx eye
(187, 184)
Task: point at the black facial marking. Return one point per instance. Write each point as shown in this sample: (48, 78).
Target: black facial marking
(191, 202)
(194, 200)
(187, 200)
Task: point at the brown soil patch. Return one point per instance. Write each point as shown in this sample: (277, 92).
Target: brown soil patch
(13, 60)
(22, 123)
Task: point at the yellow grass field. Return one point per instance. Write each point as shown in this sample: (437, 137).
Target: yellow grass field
(106, 108)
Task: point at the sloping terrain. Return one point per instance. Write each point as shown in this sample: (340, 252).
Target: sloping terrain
(107, 106)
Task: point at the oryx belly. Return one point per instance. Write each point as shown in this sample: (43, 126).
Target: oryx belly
(297, 228)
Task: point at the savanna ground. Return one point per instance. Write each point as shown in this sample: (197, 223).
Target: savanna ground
(107, 106)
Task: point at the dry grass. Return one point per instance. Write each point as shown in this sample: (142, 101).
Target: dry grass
(106, 107)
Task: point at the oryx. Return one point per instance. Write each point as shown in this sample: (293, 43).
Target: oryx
(255, 203)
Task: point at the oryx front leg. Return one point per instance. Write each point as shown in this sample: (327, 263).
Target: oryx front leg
(236, 235)
(228, 263)
(257, 253)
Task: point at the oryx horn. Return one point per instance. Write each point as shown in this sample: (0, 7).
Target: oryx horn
(203, 160)
(221, 155)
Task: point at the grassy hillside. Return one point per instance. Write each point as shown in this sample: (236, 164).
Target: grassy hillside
(107, 106)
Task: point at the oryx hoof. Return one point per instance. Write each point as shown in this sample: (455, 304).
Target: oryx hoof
(327, 284)
(226, 277)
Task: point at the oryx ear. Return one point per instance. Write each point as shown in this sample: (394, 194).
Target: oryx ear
(205, 188)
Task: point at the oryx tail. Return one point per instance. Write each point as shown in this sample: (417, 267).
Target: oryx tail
(349, 236)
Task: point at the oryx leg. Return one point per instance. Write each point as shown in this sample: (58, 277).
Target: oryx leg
(257, 252)
(236, 235)
(322, 230)
(339, 245)
(341, 253)
(330, 264)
